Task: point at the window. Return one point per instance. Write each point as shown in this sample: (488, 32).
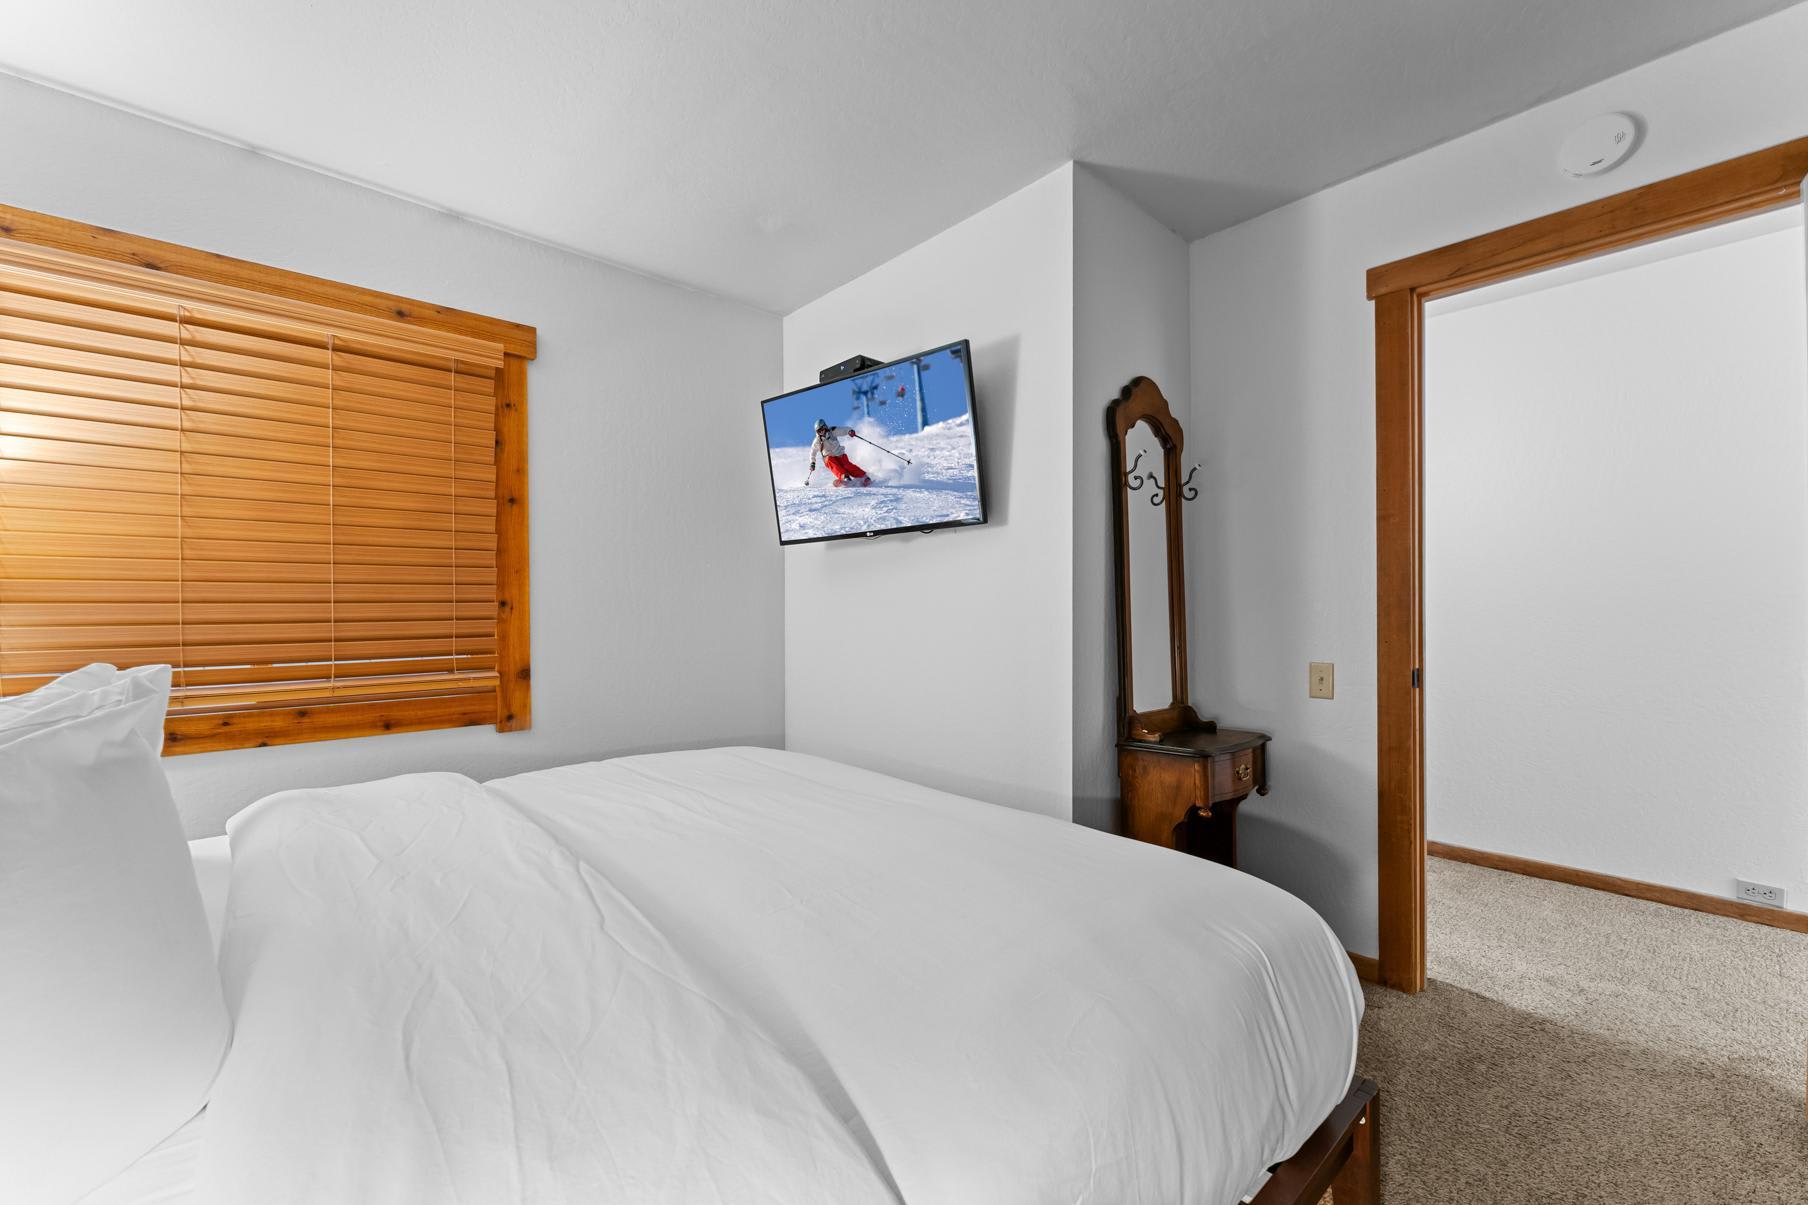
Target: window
(316, 514)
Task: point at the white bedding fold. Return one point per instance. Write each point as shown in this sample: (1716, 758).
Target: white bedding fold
(436, 1002)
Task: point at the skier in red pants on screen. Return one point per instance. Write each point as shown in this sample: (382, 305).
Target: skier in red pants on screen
(828, 442)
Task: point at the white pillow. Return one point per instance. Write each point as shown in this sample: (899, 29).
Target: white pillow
(73, 683)
(85, 690)
(111, 1018)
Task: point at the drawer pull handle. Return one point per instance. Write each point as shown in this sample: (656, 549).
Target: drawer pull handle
(1244, 771)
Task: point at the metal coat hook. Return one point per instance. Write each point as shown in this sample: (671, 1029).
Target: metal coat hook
(1132, 478)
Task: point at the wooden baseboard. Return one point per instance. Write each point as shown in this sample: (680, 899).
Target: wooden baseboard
(1367, 969)
(1778, 918)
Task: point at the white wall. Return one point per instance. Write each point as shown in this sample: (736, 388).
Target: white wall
(1283, 396)
(1130, 319)
(657, 593)
(1616, 569)
(944, 658)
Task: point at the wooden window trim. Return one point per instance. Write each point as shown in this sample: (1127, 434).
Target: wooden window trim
(1750, 184)
(511, 708)
(97, 242)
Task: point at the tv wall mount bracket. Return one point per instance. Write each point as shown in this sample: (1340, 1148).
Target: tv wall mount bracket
(850, 367)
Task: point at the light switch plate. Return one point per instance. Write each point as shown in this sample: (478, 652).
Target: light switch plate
(1321, 680)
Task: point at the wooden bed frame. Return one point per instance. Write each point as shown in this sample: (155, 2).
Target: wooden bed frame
(1343, 1155)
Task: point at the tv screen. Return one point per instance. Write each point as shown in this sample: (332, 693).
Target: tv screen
(892, 448)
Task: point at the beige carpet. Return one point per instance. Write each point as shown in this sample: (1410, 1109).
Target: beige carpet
(1575, 1046)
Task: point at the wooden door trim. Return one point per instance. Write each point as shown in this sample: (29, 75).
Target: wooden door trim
(1399, 559)
(1736, 188)
(1740, 187)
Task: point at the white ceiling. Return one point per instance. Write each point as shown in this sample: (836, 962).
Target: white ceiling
(769, 150)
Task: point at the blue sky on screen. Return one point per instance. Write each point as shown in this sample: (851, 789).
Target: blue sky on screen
(791, 421)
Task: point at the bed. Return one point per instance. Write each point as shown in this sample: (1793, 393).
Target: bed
(748, 975)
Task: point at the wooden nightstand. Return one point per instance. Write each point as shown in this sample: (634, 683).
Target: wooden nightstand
(1182, 789)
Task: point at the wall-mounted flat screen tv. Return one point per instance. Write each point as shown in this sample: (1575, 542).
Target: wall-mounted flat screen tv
(891, 448)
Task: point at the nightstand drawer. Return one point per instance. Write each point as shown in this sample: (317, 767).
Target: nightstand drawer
(1236, 774)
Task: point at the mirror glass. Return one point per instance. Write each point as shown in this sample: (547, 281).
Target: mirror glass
(1151, 678)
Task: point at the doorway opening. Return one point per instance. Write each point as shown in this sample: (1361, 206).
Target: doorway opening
(1616, 580)
(1700, 201)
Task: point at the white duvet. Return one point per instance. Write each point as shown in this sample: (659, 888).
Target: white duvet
(741, 975)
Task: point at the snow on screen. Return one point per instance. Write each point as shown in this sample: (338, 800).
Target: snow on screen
(916, 410)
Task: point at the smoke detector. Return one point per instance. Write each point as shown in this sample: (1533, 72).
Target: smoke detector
(1598, 145)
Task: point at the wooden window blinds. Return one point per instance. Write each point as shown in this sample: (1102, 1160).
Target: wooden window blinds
(297, 508)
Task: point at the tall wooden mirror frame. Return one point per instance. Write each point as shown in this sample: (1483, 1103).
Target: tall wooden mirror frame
(1751, 184)
(1142, 401)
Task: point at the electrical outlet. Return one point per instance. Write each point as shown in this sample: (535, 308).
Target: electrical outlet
(1761, 893)
(1321, 680)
